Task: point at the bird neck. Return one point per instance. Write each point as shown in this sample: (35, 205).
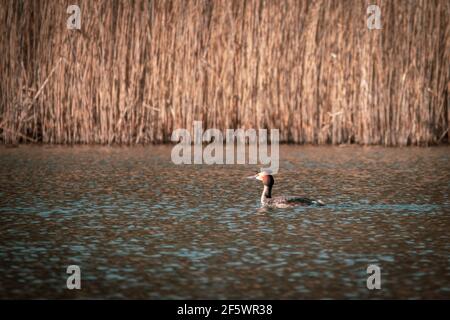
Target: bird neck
(266, 194)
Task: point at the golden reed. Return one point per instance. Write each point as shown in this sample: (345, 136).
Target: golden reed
(139, 69)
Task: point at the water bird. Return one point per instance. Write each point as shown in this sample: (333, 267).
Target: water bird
(281, 201)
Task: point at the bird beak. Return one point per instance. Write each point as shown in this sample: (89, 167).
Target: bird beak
(252, 177)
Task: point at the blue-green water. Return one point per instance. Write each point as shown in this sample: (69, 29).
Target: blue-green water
(141, 227)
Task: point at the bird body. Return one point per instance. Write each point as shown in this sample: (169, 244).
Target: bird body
(281, 201)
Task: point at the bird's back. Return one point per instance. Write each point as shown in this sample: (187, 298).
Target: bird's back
(292, 201)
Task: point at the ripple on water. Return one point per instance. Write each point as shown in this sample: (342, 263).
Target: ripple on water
(141, 227)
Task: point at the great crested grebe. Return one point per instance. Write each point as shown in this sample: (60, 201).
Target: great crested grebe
(283, 201)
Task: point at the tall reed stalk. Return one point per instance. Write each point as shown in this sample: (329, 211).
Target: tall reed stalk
(139, 69)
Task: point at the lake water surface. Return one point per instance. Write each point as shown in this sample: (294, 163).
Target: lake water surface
(141, 227)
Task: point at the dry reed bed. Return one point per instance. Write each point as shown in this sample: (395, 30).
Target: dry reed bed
(139, 69)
